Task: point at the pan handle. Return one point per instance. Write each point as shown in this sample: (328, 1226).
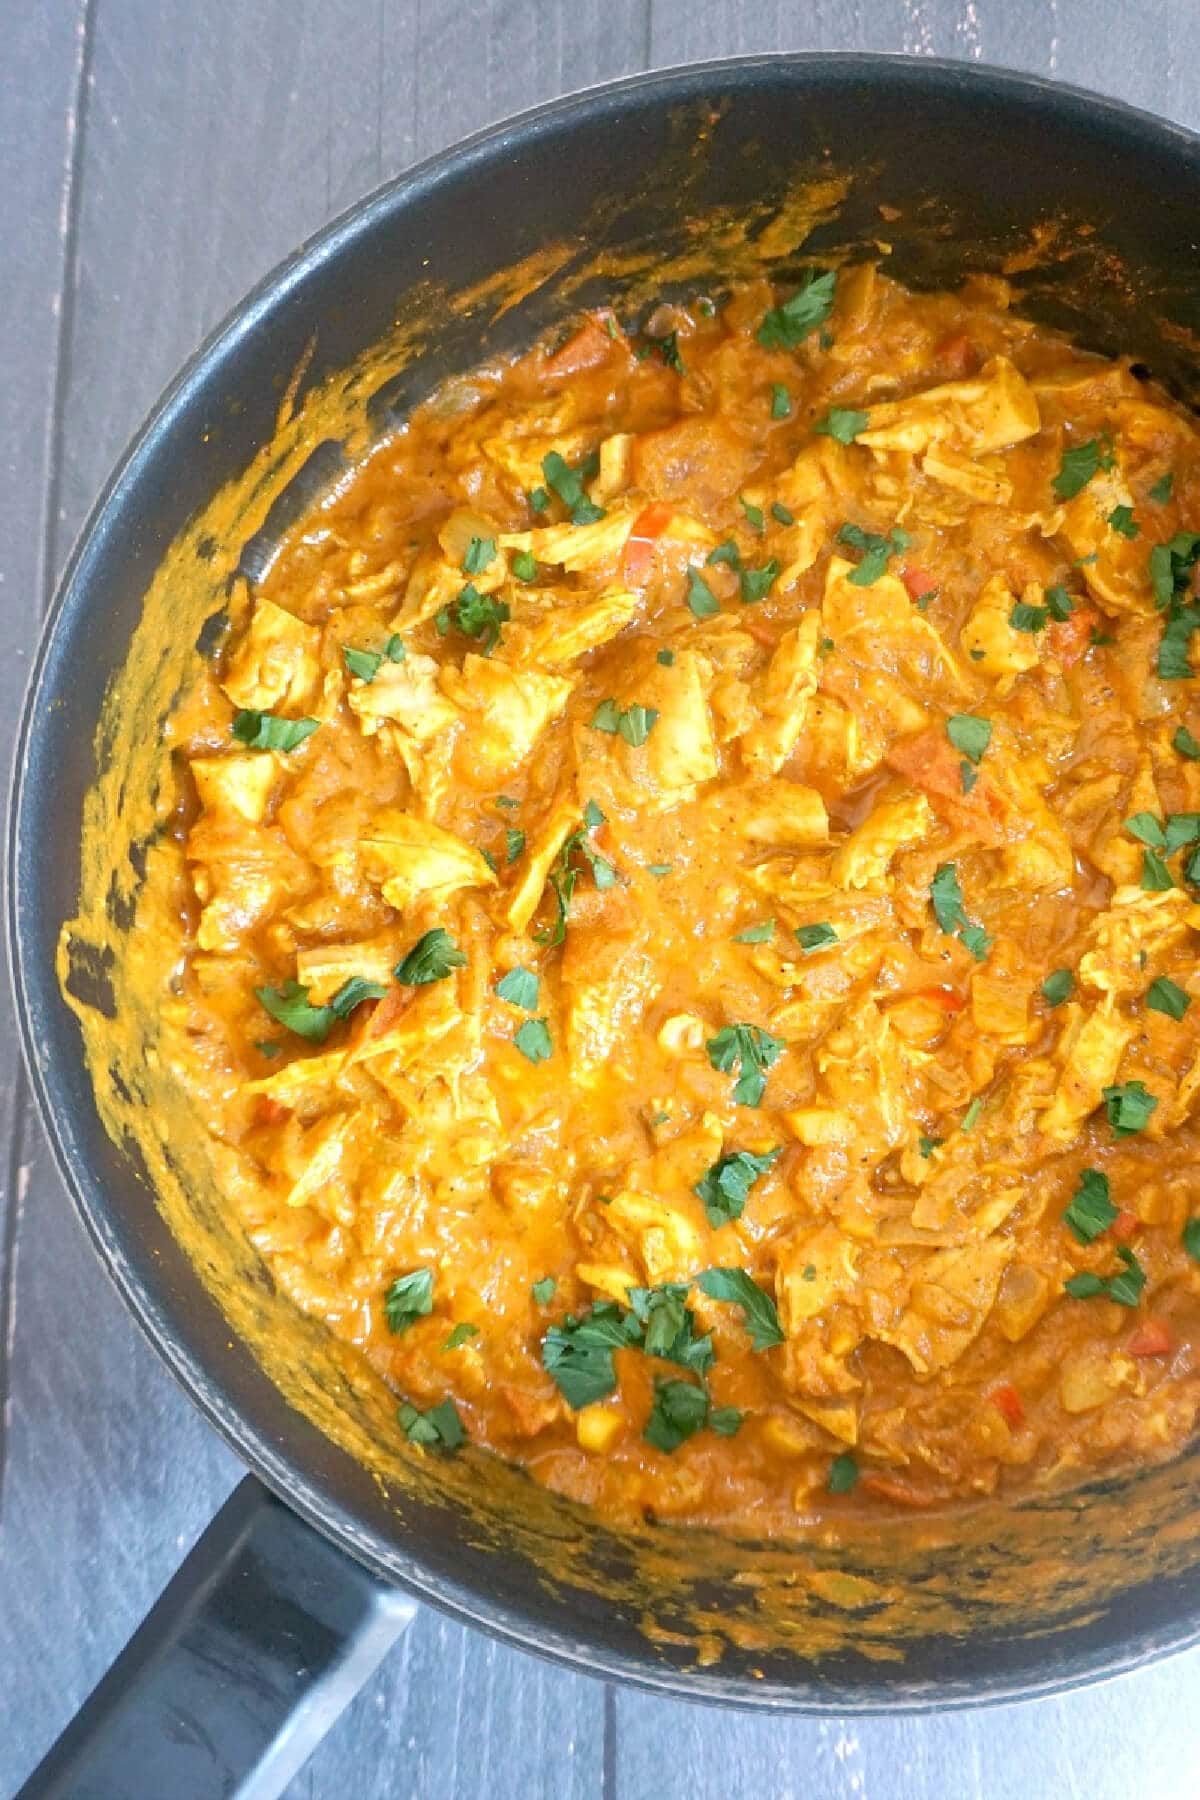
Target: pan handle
(248, 1655)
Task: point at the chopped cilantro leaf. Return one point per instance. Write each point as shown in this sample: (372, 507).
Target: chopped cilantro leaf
(1191, 1239)
(1122, 521)
(753, 513)
(533, 1041)
(843, 1473)
(756, 934)
(969, 734)
(668, 349)
(1146, 828)
(815, 937)
(726, 1421)
(518, 988)
(876, 551)
(1156, 877)
(1129, 1106)
(971, 1117)
(781, 515)
(1091, 1210)
(781, 401)
(362, 663)
(524, 565)
(1028, 618)
(786, 327)
(440, 1427)
(666, 658)
(754, 584)
(539, 499)
(927, 1145)
(736, 1286)
(700, 597)
(431, 959)
(1125, 1287)
(460, 1335)
(264, 731)
(543, 1290)
(479, 616)
(1079, 464)
(842, 423)
(680, 1409)
(1058, 987)
(1166, 996)
(725, 553)
(409, 1298)
(1160, 493)
(514, 842)
(1059, 603)
(1185, 743)
(481, 552)
(725, 1186)
(567, 483)
(753, 1050)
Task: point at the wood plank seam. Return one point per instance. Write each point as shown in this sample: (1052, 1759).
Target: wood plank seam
(76, 131)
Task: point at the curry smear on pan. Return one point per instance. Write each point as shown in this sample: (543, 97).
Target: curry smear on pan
(795, 705)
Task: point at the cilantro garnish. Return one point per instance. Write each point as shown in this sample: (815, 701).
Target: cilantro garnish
(1091, 1210)
(876, 551)
(758, 1308)
(725, 1186)
(753, 1050)
(1080, 464)
(409, 1298)
(786, 327)
(842, 423)
(431, 959)
(265, 731)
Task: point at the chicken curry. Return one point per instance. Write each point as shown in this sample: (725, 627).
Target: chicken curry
(687, 949)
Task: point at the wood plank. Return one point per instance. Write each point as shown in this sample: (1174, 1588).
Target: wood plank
(1102, 1742)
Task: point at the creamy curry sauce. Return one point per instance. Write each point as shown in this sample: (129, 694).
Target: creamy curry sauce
(687, 947)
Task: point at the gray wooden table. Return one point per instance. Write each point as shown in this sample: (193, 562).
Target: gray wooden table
(156, 157)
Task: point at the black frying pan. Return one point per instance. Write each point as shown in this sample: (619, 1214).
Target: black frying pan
(283, 1609)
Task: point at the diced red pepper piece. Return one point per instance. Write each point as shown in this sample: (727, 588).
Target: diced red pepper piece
(1069, 638)
(638, 555)
(1007, 1401)
(1150, 1339)
(1124, 1226)
(918, 583)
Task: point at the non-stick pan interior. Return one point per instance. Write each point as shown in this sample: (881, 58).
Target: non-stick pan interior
(713, 173)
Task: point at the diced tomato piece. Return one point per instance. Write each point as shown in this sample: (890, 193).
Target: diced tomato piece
(584, 349)
(956, 355)
(945, 997)
(638, 555)
(1150, 1339)
(1069, 638)
(1124, 1226)
(1006, 1400)
(268, 1111)
(931, 762)
(918, 583)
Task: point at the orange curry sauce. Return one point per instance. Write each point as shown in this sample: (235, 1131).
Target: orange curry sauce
(705, 1001)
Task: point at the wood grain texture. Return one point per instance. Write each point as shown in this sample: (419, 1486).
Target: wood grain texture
(155, 160)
